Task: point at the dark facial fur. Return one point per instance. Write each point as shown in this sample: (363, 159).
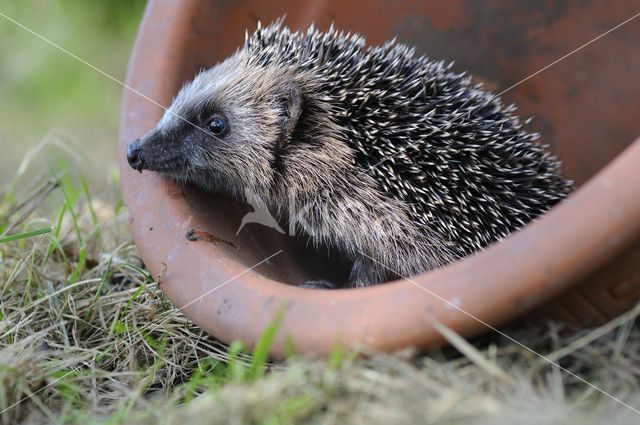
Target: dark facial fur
(392, 159)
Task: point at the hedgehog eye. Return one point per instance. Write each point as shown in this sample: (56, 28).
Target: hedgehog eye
(218, 126)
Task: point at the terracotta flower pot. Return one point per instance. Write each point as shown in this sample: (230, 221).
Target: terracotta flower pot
(581, 260)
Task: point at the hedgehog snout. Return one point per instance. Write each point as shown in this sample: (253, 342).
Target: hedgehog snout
(134, 156)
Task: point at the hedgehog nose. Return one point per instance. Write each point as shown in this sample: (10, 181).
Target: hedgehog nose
(134, 155)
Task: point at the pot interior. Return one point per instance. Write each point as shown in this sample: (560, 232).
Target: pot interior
(584, 106)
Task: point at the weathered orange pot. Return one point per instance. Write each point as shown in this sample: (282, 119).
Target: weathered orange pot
(581, 260)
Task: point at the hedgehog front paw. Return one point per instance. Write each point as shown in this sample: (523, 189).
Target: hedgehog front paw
(319, 284)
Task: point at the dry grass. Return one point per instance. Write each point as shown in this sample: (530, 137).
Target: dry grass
(88, 337)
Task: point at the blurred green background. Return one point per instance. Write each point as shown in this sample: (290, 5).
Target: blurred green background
(49, 98)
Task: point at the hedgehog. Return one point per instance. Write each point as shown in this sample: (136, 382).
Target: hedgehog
(389, 158)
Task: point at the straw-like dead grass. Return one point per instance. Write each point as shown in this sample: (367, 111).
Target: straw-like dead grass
(100, 342)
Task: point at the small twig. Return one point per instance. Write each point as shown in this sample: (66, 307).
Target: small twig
(200, 235)
(55, 180)
(595, 334)
(31, 203)
(469, 351)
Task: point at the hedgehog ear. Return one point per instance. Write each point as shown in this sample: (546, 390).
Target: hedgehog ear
(292, 108)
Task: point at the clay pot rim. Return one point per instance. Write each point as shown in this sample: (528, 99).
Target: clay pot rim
(546, 257)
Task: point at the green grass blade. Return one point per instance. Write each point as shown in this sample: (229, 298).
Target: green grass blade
(26, 234)
(133, 297)
(104, 353)
(146, 275)
(236, 371)
(54, 242)
(95, 297)
(87, 194)
(81, 259)
(70, 197)
(261, 350)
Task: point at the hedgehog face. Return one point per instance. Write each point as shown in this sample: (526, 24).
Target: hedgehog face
(223, 129)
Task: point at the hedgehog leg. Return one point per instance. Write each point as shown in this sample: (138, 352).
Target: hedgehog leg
(319, 284)
(366, 272)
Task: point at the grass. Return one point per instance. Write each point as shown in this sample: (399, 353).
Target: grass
(87, 337)
(26, 234)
